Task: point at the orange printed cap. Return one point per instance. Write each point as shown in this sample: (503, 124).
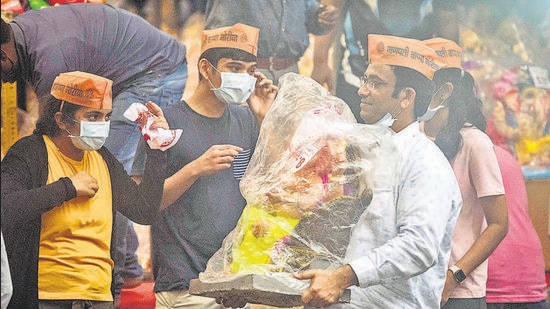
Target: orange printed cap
(410, 53)
(239, 36)
(84, 89)
(447, 51)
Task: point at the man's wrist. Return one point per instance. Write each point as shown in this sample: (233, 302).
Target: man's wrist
(348, 275)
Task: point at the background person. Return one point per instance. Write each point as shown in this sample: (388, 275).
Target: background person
(515, 276)
(128, 273)
(284, 28)
(483, 222)
(417, 19)
(103, 40)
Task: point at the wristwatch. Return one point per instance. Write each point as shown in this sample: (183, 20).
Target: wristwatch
(458, 274)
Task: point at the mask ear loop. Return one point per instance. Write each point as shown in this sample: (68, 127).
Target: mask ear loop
(443, 99)
(209, 81)
(395, 107)
(213, 67)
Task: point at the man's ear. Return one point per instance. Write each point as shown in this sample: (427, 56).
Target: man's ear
(204, 68)
(406, 97)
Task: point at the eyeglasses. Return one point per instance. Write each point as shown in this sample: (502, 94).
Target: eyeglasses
(371, 83)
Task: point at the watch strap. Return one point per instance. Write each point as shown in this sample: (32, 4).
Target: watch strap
(458, 273)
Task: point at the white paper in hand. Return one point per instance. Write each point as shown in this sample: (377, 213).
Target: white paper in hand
(157, 138)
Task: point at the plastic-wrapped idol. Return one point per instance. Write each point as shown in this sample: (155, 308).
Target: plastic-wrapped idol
(309, 180)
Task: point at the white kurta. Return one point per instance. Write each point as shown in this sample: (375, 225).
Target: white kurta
(400, 247)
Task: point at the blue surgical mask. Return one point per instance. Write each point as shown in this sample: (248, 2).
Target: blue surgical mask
(92, 135)
(235, 87)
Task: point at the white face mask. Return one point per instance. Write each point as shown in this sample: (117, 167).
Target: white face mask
(430, 113)
(235, 87)
(92, 135)
(386, 121)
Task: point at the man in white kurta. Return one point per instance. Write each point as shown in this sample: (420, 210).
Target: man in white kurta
(400, 247)
(399, 250)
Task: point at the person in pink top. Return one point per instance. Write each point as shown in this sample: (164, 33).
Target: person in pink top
(458, 128)
(516, 268)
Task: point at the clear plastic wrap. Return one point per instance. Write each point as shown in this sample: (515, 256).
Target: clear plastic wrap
(308, 181)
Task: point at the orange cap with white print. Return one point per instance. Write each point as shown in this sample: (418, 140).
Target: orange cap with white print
(447, 51)
(83, 89)
(405, 52)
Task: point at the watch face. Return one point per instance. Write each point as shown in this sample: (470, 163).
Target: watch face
(459, 275)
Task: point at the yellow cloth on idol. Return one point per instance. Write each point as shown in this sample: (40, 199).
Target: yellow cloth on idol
(253, 253)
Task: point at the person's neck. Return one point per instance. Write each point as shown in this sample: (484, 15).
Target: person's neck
(430, 130)
(64, 144)
(400, 124)
(204, 101)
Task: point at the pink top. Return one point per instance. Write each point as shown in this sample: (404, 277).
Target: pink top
(478, 175)
(516, 267)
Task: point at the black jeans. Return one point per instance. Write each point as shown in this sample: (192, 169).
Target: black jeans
(465, 303)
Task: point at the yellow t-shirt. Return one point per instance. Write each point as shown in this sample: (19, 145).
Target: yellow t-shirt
(74, 259)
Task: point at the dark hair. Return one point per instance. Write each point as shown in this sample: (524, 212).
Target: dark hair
(214, 55)
(409, 78)
(46, 124)
(4, 32)
(464, 107)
